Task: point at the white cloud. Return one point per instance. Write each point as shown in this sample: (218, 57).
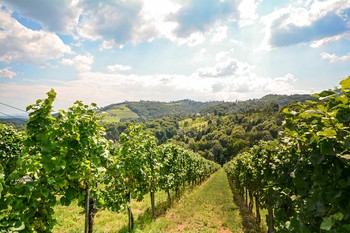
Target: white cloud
(230, 77)
(334, 58)
(156, 13)
(223, 55)
(190, 22)
(116, 23)
(7, 73)
(322, 42)
(220, 34)
(159, 9)
(82, 63)
(107, 88)
(107, 44)
(194, 39)
(118, 67)
(19, 43)
(54, 15)
(194, 16)
(260, 86)
(227, 67)
(306, 23)
(13, 94)
(280, 85)
(199, 56)
(286, 78)
(247, 12)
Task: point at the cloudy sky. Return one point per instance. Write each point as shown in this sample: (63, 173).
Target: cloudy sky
(109, 51)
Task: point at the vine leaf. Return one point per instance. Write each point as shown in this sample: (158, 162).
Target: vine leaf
(345, 84)
(327, 223)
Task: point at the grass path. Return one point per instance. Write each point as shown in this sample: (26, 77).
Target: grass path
(208, 208)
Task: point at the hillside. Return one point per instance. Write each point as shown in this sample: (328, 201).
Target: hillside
(117, 113)
(286, 99)
(148, 110)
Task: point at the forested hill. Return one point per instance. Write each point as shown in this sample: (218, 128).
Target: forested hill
(151, 109)
(286, 99)
(145, 110)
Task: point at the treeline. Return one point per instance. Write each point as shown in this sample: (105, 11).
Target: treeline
(222, 137)
(302, 178)
(218, 137)
(64, 158)
(284, 100)
(151, 110)
(216, 130)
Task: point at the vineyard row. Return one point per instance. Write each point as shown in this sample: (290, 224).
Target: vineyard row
(64, 158)
(303, 178)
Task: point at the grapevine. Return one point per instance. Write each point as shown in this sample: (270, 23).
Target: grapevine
(303, 177)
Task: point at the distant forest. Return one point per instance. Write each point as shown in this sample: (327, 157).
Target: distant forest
(217, 130)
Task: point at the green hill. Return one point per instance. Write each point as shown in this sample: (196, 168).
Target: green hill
(286, 99)
(151, 109)
(117, 113)
(148, 110)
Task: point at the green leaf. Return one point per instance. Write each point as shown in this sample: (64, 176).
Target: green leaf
(50, 180)
(345, 83)
(347, 143)
(347, 157)
(45, 192)
(338, 216)
(18, 227)
(327, 223)
(327, 148)
(71, 193)
(81, 198)
(294, 197)
(1, 188)
(51, 94)
(327, 132)
(326, 93)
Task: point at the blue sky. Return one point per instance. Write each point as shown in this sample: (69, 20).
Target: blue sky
(115, 50)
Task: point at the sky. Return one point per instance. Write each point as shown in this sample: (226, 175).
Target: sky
(111, 51)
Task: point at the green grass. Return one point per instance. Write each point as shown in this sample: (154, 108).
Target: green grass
(117, 113)
(197, 124)
(70, 219)
(249, 221)
(209, 208)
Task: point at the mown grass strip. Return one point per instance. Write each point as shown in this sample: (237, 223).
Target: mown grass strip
(70, 219)
(209, 208)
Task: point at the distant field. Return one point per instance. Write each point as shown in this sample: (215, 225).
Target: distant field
(117, 113)
(189, 124)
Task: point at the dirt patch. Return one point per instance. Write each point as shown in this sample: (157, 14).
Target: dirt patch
(224, 230)
(137, 211)
(180, 227)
